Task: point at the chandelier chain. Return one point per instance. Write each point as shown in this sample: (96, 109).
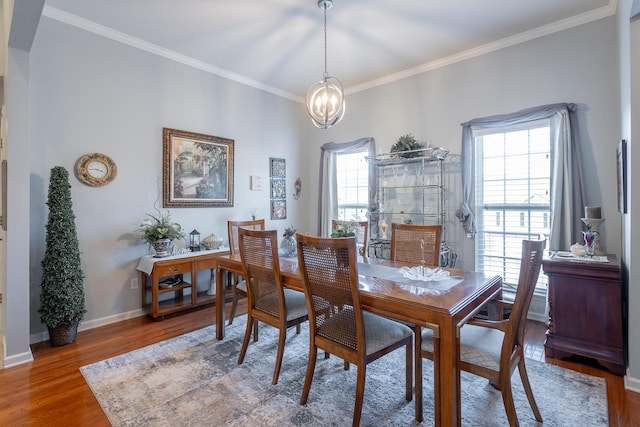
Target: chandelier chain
(326, 74)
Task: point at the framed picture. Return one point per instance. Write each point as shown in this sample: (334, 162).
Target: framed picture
(278, 167)
(278, 209)
(278, 188)
(621, 161)
(197, 170)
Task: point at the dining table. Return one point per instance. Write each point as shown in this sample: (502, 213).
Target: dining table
(443, 306)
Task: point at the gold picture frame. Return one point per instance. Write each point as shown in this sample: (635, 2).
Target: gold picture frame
(197, 170)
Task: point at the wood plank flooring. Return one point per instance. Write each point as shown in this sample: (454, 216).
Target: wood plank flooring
(50, 391)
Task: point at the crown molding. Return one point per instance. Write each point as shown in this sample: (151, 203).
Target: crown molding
(101, 30)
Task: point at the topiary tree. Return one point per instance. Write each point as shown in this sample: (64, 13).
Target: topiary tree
(62, 293)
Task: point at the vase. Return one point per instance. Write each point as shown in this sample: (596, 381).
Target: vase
(288, 246)
(590, 242)
(161, 246)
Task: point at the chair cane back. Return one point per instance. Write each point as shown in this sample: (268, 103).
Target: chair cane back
(268, 300)
(239, 286)
(337, 323)
(414, 243)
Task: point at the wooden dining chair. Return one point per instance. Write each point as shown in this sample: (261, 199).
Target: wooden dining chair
(494, 348)
(337, 323)
(239, 285)
(268, 301)
(413, 243)
(362, 234)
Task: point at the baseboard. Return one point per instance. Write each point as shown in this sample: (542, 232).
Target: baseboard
(91, 324)
(18, 359)
(632, 384)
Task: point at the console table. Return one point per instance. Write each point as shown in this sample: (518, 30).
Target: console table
(586, 310)
(162, 276)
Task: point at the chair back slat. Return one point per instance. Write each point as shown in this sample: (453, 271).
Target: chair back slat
(329, 270)
(406, 242)
(232, 230)
(531, 261)
(259, 254)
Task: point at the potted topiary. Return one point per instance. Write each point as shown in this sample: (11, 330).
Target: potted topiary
(404, 146)
(62, 294)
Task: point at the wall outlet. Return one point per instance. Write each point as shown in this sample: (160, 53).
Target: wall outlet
(134, 283)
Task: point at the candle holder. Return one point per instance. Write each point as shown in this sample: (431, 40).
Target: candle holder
(593, 225)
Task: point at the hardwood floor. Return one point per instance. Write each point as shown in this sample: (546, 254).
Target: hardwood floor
(51, 391)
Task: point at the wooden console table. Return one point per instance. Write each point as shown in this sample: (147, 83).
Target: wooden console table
(586, 310)
(156, 276)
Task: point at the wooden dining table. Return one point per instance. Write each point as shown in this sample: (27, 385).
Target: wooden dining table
(426, 305)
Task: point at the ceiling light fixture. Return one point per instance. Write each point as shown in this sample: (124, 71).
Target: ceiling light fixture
(325, 98)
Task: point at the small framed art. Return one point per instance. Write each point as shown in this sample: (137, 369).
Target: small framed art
(278, 209)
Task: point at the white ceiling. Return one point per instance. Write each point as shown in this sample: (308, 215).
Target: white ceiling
(277, 45)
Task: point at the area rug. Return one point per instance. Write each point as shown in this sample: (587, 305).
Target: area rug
(194, 380)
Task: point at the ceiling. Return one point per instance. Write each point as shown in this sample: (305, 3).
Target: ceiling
(277, 45)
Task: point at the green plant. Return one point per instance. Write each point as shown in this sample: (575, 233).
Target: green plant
(345, 229)
(406, 143)
(159, 227)
(62, 293)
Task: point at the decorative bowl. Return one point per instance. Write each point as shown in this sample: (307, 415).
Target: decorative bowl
(212, 241)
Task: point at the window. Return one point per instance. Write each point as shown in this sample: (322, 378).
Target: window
(513, 184)
(353, 186)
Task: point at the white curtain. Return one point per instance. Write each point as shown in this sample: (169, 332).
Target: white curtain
(567, 184)
(328, 191)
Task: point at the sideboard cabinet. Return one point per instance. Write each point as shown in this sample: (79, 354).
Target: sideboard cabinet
(169, 285)
(586, 311)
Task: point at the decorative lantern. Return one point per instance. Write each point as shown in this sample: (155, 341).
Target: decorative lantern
(194, 239)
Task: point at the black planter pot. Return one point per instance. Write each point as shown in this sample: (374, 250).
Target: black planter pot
(63, 334)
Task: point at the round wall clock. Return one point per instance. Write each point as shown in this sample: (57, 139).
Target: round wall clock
(96, 169)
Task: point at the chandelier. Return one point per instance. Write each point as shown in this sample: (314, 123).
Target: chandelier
(325, 98)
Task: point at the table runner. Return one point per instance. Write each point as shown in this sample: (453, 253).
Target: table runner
(392, 273)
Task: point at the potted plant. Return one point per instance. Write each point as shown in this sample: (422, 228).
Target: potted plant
(62, 294)
(159, 231)
(406, 143)
(345, 229)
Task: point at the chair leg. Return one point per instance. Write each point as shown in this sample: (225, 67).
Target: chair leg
(255, 332)
(409, 371)
(281, 340)
(245, 341)
(311, 366)
(357, 408)
(298, 328)
(509, 406)
(527, 389)
(234, 305)
(417, 331)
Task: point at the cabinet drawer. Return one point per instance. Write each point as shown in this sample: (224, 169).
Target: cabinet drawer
(172, 269)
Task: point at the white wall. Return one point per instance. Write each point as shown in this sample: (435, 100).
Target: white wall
(91, 94)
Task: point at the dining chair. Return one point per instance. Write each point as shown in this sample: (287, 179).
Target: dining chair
(414, 243)
(268, 300)
(494, 348)
(239, 285)
(362, 234)
(337, 323)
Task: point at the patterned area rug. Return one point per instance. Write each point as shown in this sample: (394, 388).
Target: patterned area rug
(194, 380)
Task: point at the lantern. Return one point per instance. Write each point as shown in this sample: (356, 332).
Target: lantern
(194, 239)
